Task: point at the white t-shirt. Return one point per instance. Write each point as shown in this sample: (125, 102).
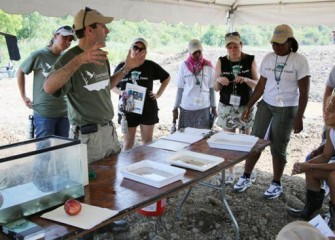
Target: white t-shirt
(296, 68)
(331, 78)
(195, 96)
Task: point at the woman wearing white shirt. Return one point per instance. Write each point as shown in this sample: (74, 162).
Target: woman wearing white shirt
(195, 95)
(284, 86)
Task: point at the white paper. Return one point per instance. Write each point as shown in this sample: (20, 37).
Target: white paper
(189, 135)
(89, 216)
(138, 94)
(169, 145)
(322, 226)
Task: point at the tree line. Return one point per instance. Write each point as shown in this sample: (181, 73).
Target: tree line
(34, 31)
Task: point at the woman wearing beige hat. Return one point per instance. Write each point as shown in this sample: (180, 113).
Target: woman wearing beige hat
(195, 97)
(284, 87)
(235, 77)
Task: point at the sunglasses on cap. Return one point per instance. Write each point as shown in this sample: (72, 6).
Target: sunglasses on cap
(135, 48)
(68, 28)
(87, 9)
(236, 34)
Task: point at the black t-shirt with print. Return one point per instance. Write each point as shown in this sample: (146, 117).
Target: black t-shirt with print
(242, 90)
(144, 76)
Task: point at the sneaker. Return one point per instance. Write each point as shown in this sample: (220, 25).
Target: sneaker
(273, 191)
(230, 178)
(242, 184)
(253, 177)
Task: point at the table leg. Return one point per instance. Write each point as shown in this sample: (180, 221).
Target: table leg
(182, 202)
(221, 188)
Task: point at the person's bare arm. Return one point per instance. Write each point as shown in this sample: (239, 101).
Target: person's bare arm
(21, 82)
(319, 162)
(303, 99)
(328, 91)
(252, 82)
(161, 89)
(60, 77)
(217, 86)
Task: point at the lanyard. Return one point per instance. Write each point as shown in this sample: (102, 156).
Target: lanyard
(236, 70)
(197, 81)
(278, 78)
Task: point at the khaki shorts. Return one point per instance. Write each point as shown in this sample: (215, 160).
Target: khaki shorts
(100, 144)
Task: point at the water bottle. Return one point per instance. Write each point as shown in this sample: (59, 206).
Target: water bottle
(31, 128)
(124, 124)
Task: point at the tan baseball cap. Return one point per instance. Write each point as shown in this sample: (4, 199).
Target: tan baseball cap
(232, 39)
(88, 16)
(194, 45)
(281, 34)
(300, 230)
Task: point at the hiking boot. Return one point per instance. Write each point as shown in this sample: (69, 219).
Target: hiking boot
(230, 178)
(313, 204)
(242, 184)
(273, 191)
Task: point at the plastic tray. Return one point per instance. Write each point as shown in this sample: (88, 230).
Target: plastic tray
(232, 141)
(153, 173)
(193, 160)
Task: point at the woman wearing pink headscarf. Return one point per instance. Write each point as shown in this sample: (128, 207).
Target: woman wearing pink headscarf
(195, 95)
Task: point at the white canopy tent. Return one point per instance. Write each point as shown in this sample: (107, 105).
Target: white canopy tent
(303, 12)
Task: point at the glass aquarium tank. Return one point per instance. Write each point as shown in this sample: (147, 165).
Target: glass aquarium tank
(38, 174)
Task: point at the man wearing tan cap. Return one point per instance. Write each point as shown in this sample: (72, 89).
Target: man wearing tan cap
(83, 75)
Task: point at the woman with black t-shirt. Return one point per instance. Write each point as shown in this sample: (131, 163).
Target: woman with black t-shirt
(235, 77)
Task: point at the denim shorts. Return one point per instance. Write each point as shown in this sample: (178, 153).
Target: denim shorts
(280, 120)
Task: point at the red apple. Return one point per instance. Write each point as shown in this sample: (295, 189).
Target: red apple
(72, 207)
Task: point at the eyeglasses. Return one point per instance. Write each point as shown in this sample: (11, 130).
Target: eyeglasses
(87, 9)
(232, 34)
(135, 48)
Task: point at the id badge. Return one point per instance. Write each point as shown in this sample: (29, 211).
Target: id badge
(235, 100)
(279, 101)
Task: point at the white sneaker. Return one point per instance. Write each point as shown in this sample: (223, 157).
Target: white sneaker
(253, 177)
(273, 191)
(230, 178)
(242, 184)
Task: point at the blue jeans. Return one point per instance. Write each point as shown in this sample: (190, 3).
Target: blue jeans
(45, 126)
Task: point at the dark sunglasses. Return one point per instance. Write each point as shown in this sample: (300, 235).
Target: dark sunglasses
(87, 9)
(135, 48)
(232, 34)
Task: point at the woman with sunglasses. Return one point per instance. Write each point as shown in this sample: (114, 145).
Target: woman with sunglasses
(195, 95)
(143, 76)
(235, 78)
(284, 87)
(50, 113)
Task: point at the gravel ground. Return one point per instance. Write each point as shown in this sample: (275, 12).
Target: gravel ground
(203, 217)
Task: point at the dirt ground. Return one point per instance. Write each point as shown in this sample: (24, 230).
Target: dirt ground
(203, 216)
